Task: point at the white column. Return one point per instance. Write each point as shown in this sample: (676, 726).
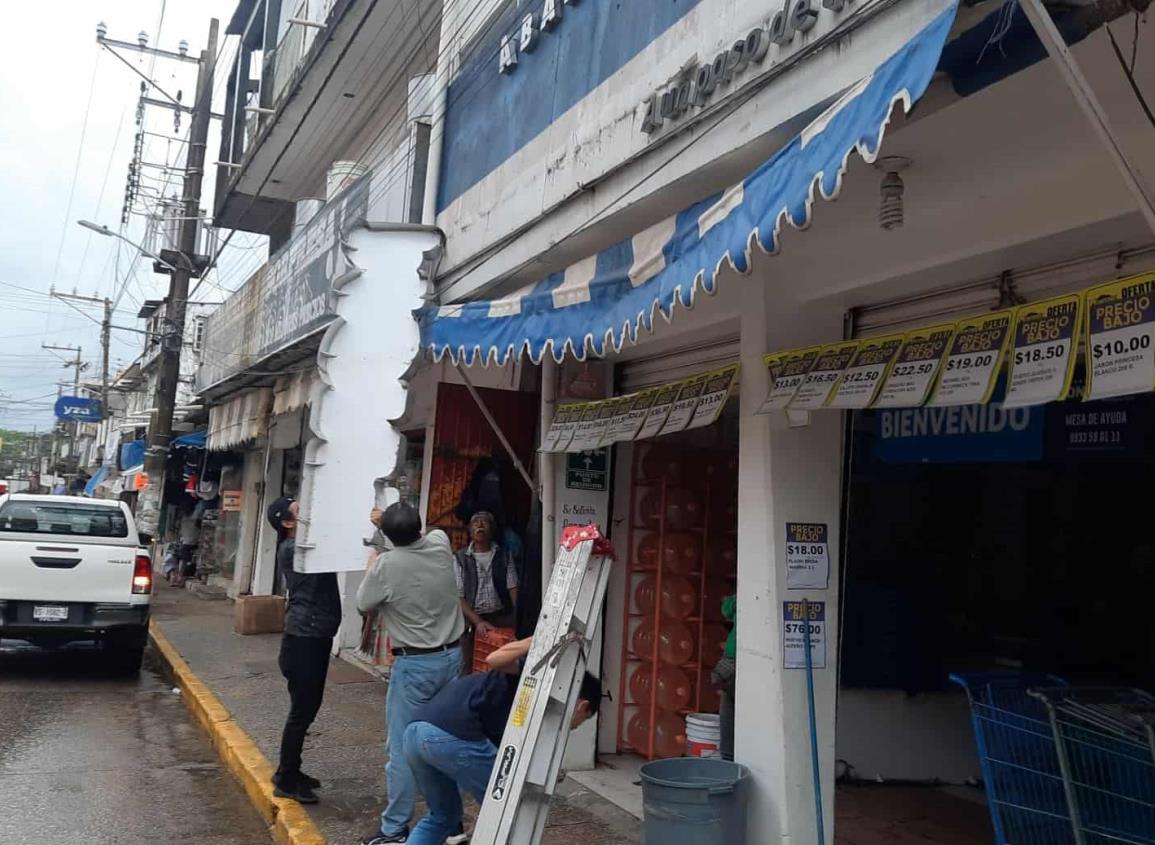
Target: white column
(786, 474)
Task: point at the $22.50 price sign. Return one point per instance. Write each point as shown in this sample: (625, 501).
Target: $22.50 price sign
(915, 368)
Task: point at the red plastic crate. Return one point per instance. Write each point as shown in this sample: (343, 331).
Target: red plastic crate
(486, 644)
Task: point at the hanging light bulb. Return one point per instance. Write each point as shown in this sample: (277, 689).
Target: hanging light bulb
(891, 211)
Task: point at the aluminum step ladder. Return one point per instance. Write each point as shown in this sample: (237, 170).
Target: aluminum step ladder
(529, 758)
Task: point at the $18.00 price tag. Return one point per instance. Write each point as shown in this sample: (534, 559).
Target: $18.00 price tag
(1120, 347)
(807, 556)
(1042, 357)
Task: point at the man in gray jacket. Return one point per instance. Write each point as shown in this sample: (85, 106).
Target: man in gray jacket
(413, 586)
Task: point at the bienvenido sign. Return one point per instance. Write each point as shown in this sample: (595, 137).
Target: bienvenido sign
(697, 84)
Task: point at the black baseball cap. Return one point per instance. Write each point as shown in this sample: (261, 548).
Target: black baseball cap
(278, 511)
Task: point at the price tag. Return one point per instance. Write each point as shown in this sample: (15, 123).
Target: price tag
(607, 413)
(630, 416)
(685, 405)
(791, 368)
(589, 429)
(973, 360)
(821, 382)
(714, 395)
(807, 556)
(562, 428)
(1120, 342)
(795, 618)
(864, 375)
(659, 410)
(1042, 358)
(915, 367)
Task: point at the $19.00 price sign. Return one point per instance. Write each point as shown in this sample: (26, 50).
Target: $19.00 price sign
(807, 556)
(1042, 357)
(1120, 347)
(973, 360)
(915, 368)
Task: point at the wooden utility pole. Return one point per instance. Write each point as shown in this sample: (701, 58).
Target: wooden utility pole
(105, 338)
(183, 265)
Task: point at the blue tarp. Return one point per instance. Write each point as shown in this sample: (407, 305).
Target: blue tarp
(192, 440)
(601, 302)
(132, 453)
(97, 477)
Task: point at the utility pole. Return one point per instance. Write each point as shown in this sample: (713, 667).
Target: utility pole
(105, 338)
(183, 265)
(77, 364)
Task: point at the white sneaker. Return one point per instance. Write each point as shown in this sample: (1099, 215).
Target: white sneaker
(457, 838)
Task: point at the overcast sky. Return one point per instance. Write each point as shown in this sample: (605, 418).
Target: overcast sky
(56, 167)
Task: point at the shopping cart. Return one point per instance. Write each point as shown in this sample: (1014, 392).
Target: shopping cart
(1106, 751)
(1020, 766)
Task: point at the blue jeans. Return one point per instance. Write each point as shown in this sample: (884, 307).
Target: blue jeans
(444, 767)
(413, 681)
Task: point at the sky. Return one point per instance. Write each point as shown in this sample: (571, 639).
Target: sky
(66, 140)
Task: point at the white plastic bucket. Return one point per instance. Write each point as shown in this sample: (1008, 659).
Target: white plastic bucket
(703, 734)
(341, 175)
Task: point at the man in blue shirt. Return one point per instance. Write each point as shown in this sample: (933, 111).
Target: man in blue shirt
(451, 745)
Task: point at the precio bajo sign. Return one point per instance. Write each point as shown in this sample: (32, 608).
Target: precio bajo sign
(79, 409)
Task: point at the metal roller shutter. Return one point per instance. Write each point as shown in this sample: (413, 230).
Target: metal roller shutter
(665, 367)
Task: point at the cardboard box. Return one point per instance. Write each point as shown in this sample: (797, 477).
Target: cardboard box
(259, 615)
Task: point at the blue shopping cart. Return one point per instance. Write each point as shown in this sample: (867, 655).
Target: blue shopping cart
(1105, 742)
(1020, 763)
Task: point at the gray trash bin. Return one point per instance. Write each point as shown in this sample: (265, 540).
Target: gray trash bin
(694, 801)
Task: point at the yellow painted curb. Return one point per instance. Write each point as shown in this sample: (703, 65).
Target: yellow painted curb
(288, 821)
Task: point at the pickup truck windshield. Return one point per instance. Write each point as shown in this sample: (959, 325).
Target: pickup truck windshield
(65, 518)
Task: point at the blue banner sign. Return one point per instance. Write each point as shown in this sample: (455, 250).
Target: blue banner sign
(79, 409)
(959, 434)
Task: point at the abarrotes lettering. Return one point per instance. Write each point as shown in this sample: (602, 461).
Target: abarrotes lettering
(699, 82)
(530, 28)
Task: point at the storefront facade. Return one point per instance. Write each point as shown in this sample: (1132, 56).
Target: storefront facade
(999, 193)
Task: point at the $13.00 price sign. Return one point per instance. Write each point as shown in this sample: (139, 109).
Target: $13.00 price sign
(787, 371)
(1042, 357)
(973, 360)
(795, 617)
(915, 368)
(818, 386)
(864, 375)
(1120, 330)
(807, 556)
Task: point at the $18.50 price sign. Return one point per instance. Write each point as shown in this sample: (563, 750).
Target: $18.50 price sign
(973, 360)
(1120, 347)
(807, 556)
(915, 368)
(1042, 358)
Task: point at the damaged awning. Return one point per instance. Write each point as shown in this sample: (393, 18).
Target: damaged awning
(240, 419)
(595, 305)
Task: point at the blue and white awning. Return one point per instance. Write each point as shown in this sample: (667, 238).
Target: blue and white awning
(597, 304)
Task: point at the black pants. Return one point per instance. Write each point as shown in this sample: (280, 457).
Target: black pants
(304, 662)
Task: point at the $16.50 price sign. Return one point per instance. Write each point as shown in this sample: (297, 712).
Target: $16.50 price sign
(1120, 351)
(807, 556)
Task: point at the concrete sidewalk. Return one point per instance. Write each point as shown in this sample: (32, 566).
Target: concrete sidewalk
(345, 748)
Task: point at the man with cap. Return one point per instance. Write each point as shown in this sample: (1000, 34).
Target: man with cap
(312, 616)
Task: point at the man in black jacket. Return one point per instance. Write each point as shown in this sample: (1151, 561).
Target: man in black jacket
(312, 616)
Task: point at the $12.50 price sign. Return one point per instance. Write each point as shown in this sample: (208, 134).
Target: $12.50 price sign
(1120, 347)
(807, 556)
(1042, 359)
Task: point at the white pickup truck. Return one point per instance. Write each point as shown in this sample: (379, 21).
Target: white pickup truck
(72, 569)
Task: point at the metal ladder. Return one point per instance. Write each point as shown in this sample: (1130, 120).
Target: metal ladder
(528, 761)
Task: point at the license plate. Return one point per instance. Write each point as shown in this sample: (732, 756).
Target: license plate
(50, 613)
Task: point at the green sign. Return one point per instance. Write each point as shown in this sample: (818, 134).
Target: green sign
(589, 470)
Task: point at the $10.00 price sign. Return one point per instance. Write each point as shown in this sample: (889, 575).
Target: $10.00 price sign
(1120, 347)
(1042, 358)
(973, 360)
(807, 556)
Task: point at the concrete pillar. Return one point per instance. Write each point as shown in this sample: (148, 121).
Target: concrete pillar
(786, 474)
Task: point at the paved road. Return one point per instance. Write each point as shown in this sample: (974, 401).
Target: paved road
(86, 757)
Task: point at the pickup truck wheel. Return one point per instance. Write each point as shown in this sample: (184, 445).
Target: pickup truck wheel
(125, 652)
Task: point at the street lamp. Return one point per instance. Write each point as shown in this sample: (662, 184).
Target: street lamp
(107, 232)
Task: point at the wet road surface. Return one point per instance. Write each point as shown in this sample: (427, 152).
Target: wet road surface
(89, 757)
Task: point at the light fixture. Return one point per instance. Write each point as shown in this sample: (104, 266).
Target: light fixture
(890, 211)
(142, 39)
(182, 47)
(101, 32)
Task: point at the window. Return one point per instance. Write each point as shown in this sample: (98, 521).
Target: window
(59, 518)
(198, 341)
